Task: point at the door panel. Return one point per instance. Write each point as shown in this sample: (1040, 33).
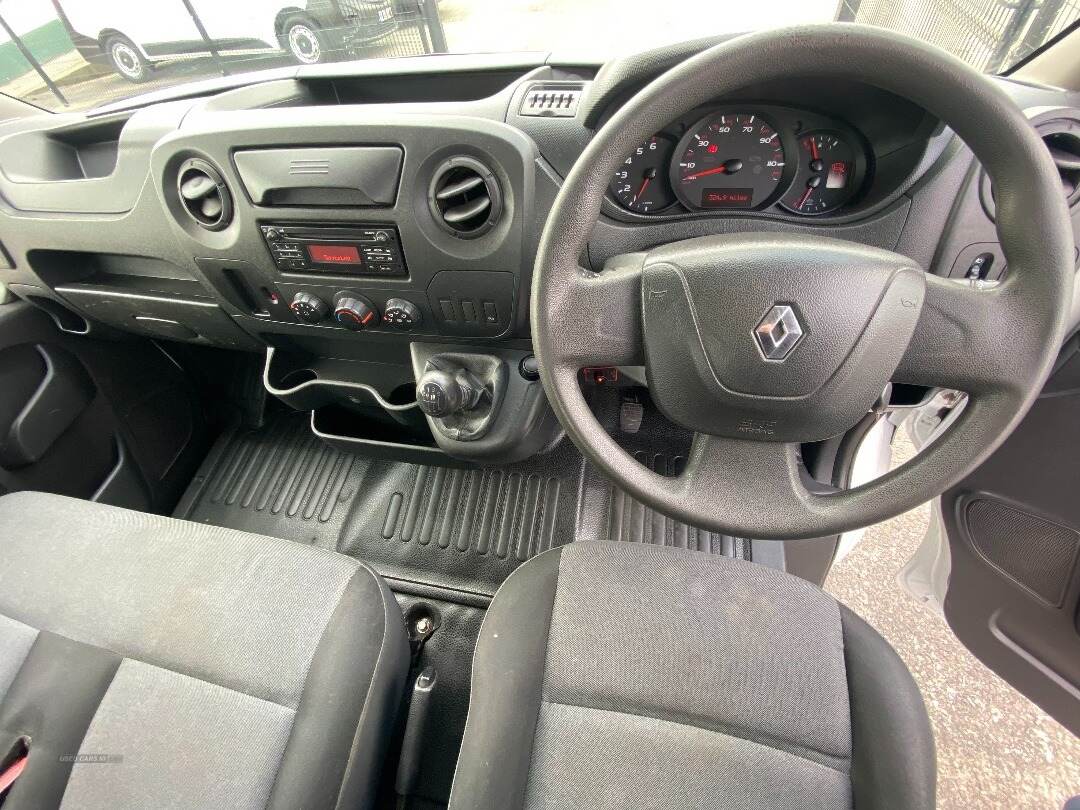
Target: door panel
(1014, 535)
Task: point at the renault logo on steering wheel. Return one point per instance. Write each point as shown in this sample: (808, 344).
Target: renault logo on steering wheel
(778, 333)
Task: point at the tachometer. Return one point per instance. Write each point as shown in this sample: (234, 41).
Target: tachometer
(825, 178)
(729, 160)
(641, 183)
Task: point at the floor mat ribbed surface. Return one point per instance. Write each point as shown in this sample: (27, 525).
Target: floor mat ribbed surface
(631, 521)
(457, 529)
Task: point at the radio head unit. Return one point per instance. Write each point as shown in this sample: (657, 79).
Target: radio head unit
(356, 249)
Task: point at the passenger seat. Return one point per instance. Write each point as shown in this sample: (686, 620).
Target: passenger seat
(152, 662)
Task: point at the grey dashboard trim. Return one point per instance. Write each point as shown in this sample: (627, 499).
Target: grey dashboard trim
(26, 154)
(360, 68)
(190, 302)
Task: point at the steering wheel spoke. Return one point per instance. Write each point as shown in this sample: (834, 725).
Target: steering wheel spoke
(600, 317)
(962, 339)
(779, 501)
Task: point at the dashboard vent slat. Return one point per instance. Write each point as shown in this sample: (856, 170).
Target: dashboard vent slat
(196, 187)
(1067, 161)
(463, 213)
(204, 195)
(465, 197)
(468, 184)
(1064, 148)
(558, 100)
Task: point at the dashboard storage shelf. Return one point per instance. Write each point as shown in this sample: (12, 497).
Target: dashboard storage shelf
(365, 433)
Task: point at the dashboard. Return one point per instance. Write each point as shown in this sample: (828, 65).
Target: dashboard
(350, 222)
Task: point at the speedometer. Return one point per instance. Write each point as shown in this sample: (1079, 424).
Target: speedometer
(729, 160)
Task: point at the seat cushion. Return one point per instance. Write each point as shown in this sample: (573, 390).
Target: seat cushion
(609, 675)
(160, 663)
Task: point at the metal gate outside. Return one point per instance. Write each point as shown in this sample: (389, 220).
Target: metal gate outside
(989, 35)
(417, 30)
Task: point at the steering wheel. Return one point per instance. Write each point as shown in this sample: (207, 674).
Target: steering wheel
(706, 316)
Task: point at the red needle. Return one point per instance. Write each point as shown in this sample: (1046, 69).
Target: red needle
(813, 148)
(641, 190)
(717, 170)
(804, 198)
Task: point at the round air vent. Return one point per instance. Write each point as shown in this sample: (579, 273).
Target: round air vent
(1064, 148)
(204, 195)
(465, 198)
(1062, 138)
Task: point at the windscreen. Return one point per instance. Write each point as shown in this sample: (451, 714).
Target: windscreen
(80, 54)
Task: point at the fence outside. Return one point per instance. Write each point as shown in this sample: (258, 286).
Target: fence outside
(989, 35)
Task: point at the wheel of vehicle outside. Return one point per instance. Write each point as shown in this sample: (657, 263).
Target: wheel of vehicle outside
(304, 42)
(126, 59)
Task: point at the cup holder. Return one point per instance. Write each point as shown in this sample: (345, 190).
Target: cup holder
(404, 394)
(306, 383)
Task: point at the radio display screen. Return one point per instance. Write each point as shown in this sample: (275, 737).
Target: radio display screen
(334, 254)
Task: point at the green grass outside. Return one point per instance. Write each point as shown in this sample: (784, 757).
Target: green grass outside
(45, 43)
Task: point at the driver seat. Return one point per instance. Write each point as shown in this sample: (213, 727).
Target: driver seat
(610, 675)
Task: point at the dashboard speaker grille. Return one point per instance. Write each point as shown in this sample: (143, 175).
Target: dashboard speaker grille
(204, 194)
(1034, 552)
(465, 197)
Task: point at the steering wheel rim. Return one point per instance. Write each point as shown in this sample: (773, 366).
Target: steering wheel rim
(996, 344)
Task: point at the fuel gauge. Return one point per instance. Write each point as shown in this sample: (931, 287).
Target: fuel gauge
(825, 178)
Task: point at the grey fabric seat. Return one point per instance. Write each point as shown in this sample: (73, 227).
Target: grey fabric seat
(611, 675)
(157, 663)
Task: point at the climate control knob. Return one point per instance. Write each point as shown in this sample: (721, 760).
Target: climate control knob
(309, 308)
(354, 313)
(401, 314)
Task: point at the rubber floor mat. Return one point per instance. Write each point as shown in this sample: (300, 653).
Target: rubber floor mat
(629, 520)
(452, 529)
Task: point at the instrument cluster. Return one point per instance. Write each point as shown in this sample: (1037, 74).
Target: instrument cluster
(746, 157)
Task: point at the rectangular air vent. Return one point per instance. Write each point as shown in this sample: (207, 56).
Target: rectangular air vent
(554, 100)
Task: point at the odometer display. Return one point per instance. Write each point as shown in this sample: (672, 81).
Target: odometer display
(729, 160)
